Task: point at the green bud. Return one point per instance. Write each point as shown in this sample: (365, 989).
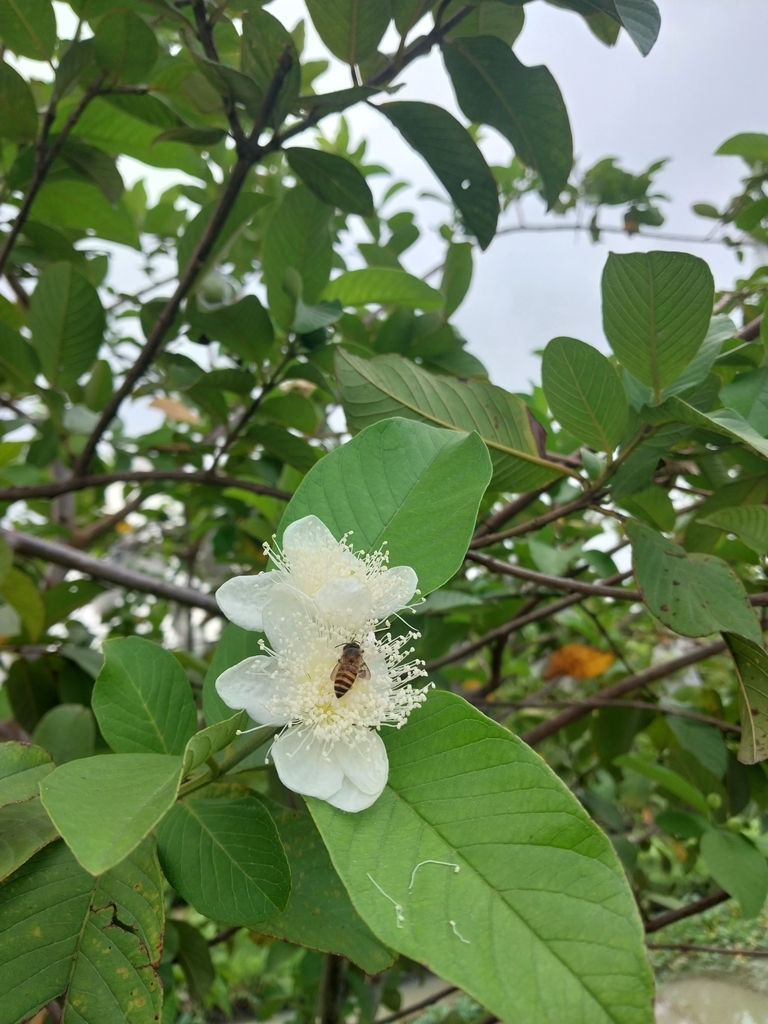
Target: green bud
(715, 801)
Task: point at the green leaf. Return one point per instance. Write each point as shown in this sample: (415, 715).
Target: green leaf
(211, 740)
(376, 389)
(244, 327)
(312, 318)
(243, 210)
(693, 594)
(22, 767)
(705, 742)
(22, 594)
(28, 27)
(125, 46)
(396, 483)
(25, 828)
(525, 104)
(67, 732)
(225, 858)
(99, 167)
(64, 598)
(18, 360)
(194, 955)
(264, 41)
(333, 179)
(204, 137)
(751, 664)
(336, 101)
(67, 322)
(82, 206)
(384, 286)
(747, 394)
(104, 806)
(538, 886)
(18, 113)
(492, 19)
(585, 393)
(721, 421)
(351, 29)
(752, 146)
(457, 275)
(665, 778)
(738, 866)
(454, 157)
(286, 446)
(657, 308)
(235, 645)
(142, 699)
(749, 522)
(721, 328)
(642, 20)
(319, 913)
(297, 238)
(90, 942)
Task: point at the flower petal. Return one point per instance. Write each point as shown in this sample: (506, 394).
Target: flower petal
(350, 798)
(346, 602)
(242, 598)
(286, 615)
(366, 764)
(250, 685)
(303, 767)
(309, 532)
(393, 590)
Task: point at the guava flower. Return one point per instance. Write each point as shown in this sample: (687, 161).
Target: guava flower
(321, 597)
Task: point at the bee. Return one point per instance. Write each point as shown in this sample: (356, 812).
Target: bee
(348, 668)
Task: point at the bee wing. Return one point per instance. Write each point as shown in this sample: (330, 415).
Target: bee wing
(363, 672)
(335, 671)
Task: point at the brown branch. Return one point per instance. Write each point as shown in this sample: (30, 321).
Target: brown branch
(205, 35)
(81, 483)
(510, 510)
(44, 157)
(599, 702)
(583, 501)
(692, 947)
(610, 229)
(60, 554)
(224, 934)
(87, 536)
(421, 1005)
(555, 582)
(671, 916)
(333, 984)
(751, 330)
(17, 289)
(626, 685)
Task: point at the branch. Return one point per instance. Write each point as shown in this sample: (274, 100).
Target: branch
(510, 510)
(692, 947)
(600, 702)
(330, 997)
(205, 35)
(81, 483)
(612, 230)
(44, 158)
(662, 920)
(626, 685)
(583, 501)
(555, 582)
(421, 1005)
(60, 554)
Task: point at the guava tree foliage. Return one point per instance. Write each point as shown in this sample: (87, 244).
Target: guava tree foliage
(143, 828)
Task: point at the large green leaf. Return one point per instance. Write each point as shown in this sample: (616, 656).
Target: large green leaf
(351, 29)
(747, 394)
(25, 828)
(142, 699)
(395, 483)
(104, 806)
(22, 768)
(243, 327)
(384, 286)
(22, 594)
(319, 912)
(333, 179)
(452, 154)
(657, 308)
(264, 41)
(751, 663)
(18, 360)
(235, 645)
(225, 858)
(28, 27)
(92, 943)
(720, 421)
(82, 206)
(738, 866)
(125, 46)
(666, 778)
(478, 862)
(584, 393)
(693, 594)
(376, 389)
(641, 18)
(67, 732)
(749, 522)
(67, 322)
(524, 104)
(18, 113)
(491, 18)
(297, 238)
(245, 207)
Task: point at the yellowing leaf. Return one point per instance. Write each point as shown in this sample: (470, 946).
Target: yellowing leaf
(175, 410)
(578, 660)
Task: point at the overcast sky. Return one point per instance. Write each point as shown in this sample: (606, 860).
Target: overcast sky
(705, 80)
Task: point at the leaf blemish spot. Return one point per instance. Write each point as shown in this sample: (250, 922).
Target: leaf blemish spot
(445, 863)
(398, 909)
(458, 934)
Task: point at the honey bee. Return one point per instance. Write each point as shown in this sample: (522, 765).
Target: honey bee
(348, 668)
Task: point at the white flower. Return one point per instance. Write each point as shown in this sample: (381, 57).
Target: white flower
(321, 596)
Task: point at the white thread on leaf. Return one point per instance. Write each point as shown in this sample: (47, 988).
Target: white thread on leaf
(457, 933)
(445, 863)
(398, 909)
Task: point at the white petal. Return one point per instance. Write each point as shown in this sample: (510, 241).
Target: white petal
(309, 532)
(366, 765)
(286, 614)
(393, 591)
(302, 767)
(242, 598)
(346, 602)
(250, 685)
(350, 798)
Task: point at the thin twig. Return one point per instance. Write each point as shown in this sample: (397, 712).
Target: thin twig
(600, 702)
(555, 582)
(510, 510)
(583, 501)
(690, 910)
(421, 1005)
(692, 947)
(139, 476)
(224, 934)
